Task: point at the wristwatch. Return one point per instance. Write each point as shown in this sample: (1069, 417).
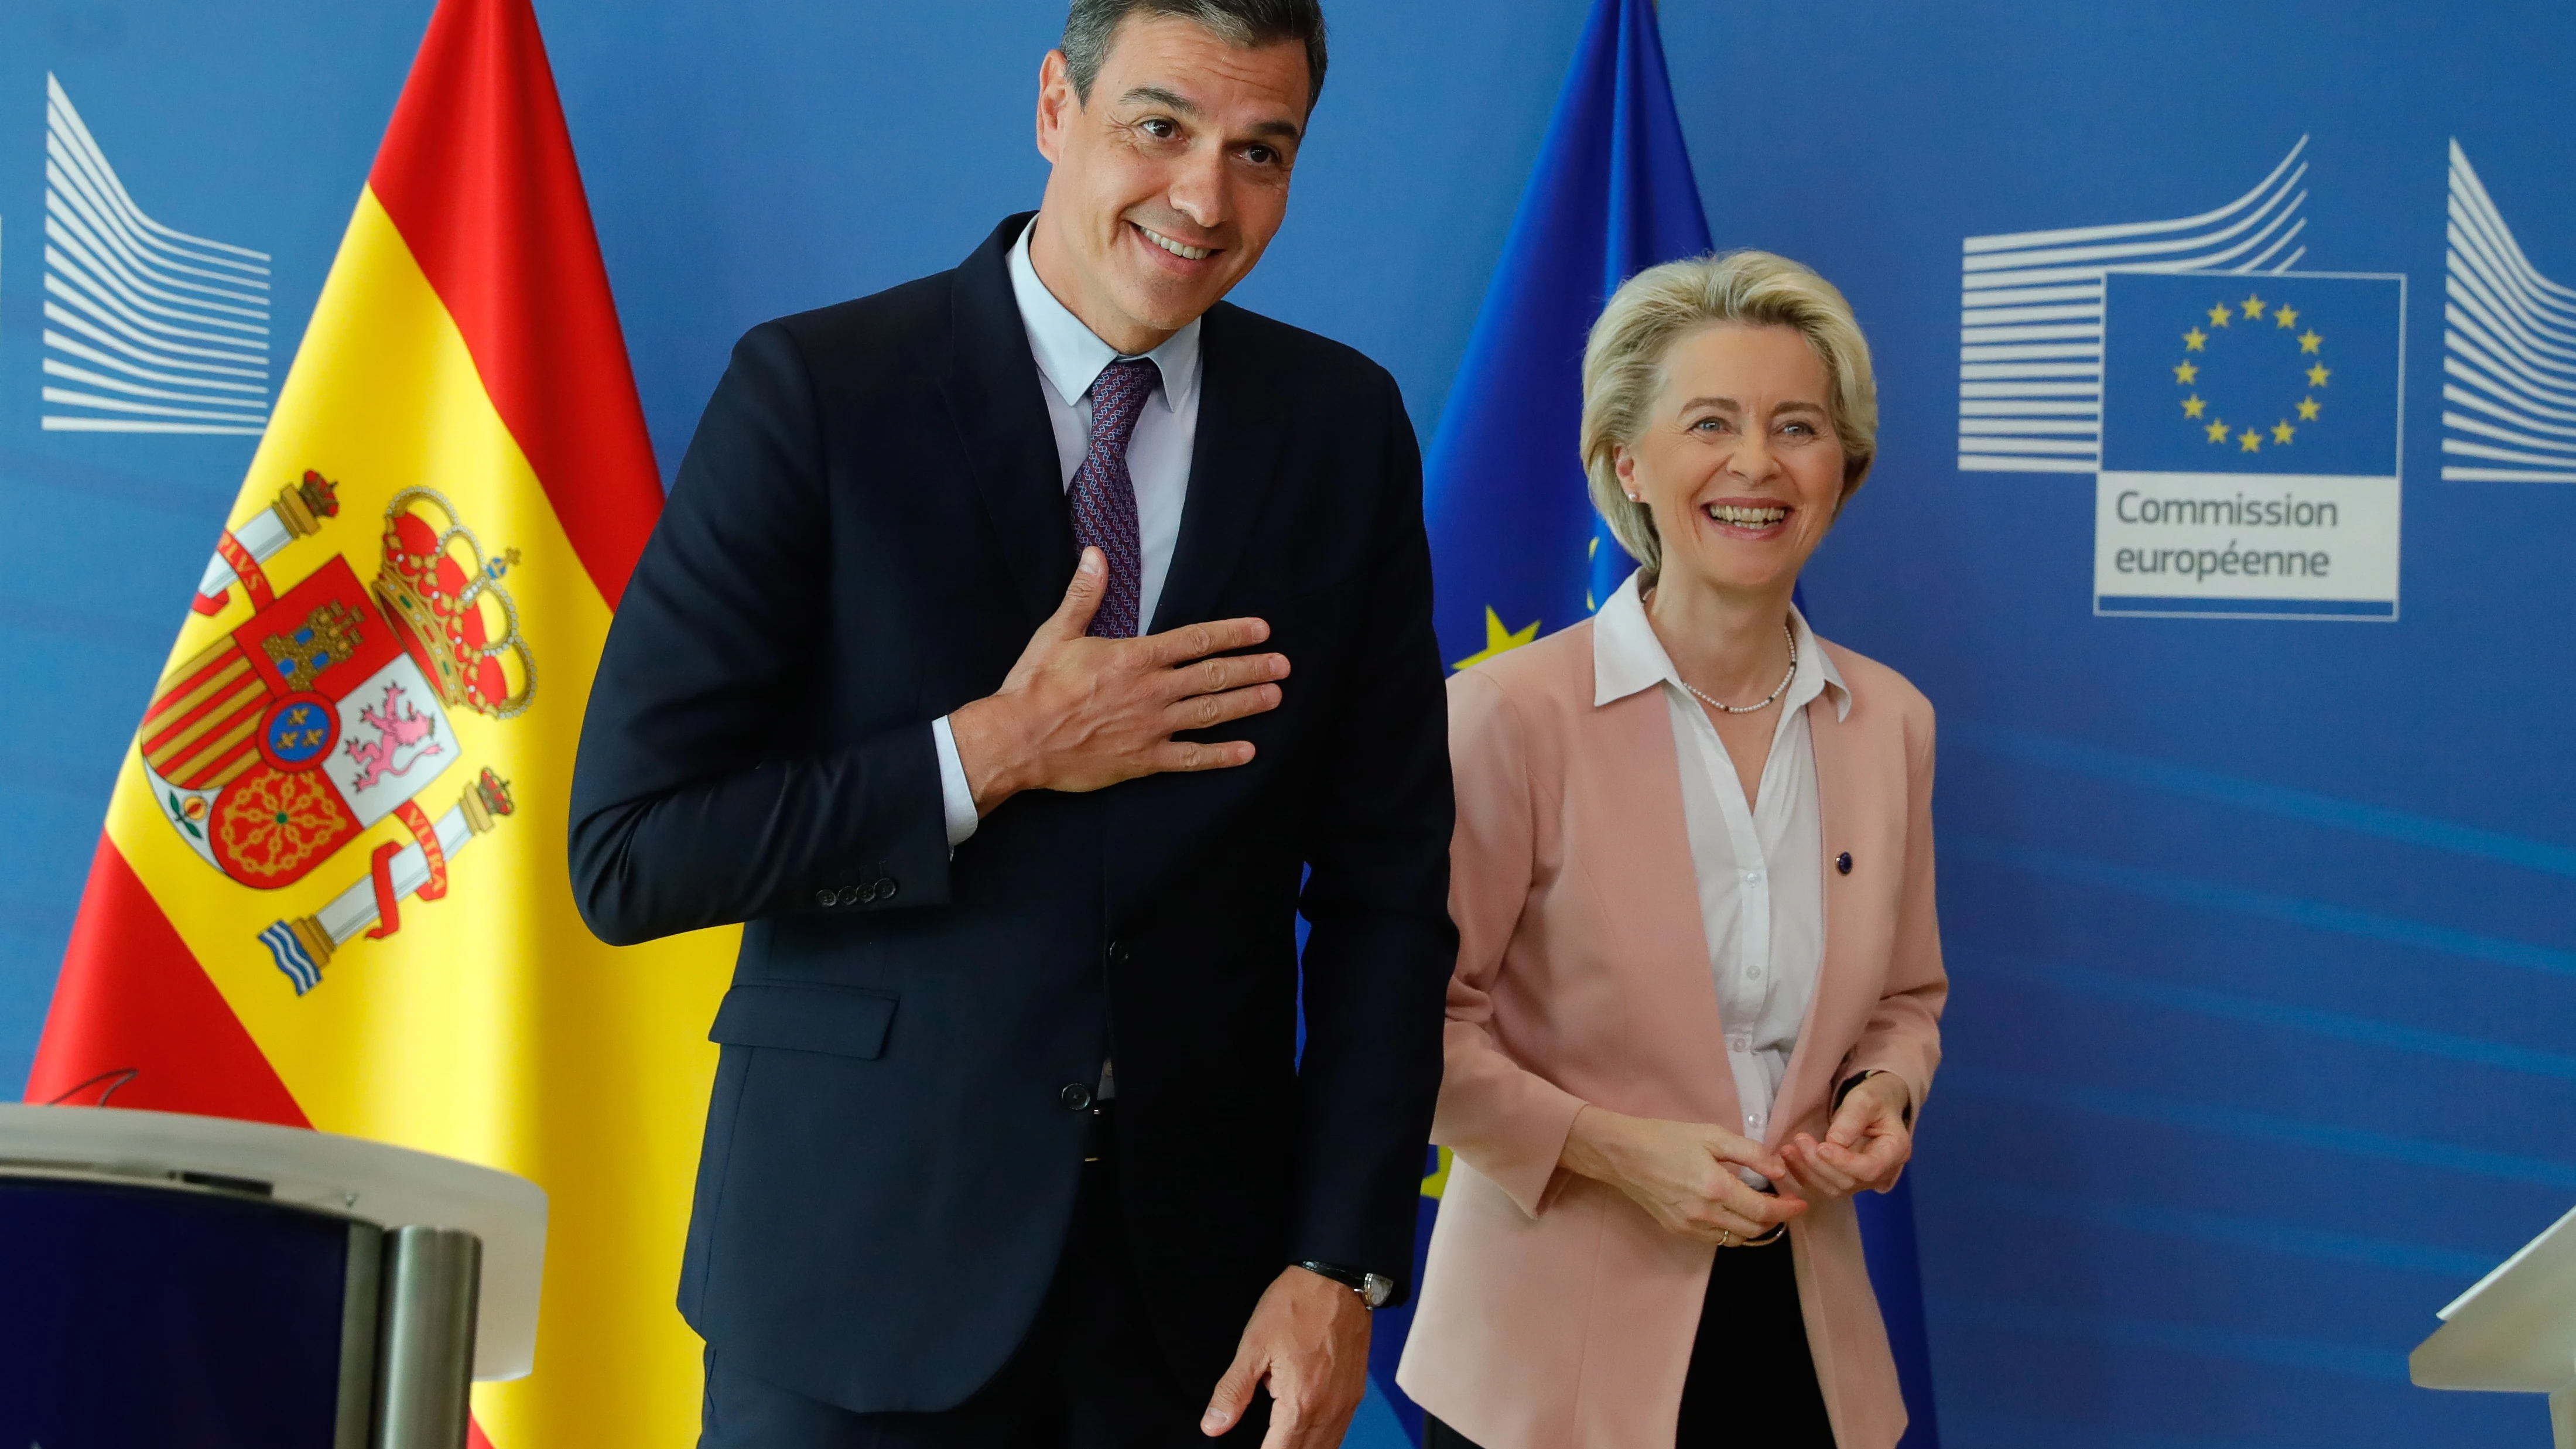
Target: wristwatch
(1374, 1288)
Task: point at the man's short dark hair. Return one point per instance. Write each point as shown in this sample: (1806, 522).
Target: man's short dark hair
(1245, 24)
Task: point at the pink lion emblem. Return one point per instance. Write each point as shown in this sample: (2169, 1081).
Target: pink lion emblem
(399, 727)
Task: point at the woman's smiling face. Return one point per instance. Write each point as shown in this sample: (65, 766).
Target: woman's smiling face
(1738, 459)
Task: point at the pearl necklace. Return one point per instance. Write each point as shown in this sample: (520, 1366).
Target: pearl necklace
(1767, 700)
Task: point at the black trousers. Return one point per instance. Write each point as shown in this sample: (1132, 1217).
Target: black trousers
(1088, 1376)
(1751, 1379)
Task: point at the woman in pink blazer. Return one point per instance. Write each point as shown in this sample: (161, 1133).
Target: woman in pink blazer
(1699, 981)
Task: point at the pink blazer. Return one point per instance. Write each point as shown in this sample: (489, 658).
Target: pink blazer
(1555, 1314)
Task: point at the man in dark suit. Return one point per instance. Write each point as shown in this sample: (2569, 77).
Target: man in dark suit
(959, 667)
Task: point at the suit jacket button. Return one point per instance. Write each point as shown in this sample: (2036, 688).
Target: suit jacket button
(826, 899)
(885, 889)
(1120, 953)
(1842, 862)
(849, 895)
(866, 893)
(1076, 1097)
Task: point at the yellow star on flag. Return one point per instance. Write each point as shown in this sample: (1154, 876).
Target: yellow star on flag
(2318, 374)
(2249, 441)
(2192, 405)
(2219, 314)
(2195, 341)
(2310, 342)
(2254, 306)
(1436, 1181)
(2282, 432)
(2307, 410)
(2217, 430)
(2285, 316)
(1498, 640)
(2186, 373)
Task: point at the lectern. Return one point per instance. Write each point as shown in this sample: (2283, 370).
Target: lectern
(169, 1279)
(2514, 1330)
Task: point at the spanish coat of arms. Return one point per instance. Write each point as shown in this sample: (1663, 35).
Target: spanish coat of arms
(275, 747)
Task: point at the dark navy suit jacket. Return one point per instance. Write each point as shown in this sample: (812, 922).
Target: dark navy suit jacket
(867, 528)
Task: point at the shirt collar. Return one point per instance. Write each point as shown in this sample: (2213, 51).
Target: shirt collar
(1071, 355)
(1627, 657)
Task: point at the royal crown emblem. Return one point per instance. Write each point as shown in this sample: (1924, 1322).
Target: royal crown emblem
(331, 707)
(446, 600)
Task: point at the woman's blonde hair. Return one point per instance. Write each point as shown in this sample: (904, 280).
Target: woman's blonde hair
(1623, 366)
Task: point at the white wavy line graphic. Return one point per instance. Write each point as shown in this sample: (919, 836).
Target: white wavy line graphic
(2030, 316)
(2508, 350)
(165, 332)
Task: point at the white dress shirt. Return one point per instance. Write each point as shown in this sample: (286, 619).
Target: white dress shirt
(1760, 867)
(1070, 357)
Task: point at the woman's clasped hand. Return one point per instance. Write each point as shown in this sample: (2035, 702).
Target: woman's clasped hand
(1684, 1174)
(1866, 1145)
(1690, 1177)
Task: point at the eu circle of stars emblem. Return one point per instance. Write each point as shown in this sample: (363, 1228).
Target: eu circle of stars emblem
(2243, 340)
(2262, 373)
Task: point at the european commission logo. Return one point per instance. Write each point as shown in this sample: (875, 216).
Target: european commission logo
(2508, 349)
(2240, 418)
(2250, 443)
(147, 329)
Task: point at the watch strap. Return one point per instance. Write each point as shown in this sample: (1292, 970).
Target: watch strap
(1374, 1289)
(1844, 1089)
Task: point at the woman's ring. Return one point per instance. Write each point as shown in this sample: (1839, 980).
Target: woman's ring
(1726, 1237)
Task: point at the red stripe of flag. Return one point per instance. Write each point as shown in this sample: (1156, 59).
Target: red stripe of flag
(140, 1003)
(478, 175)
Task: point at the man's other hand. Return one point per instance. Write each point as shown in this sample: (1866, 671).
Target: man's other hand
(1078, 713)
(1309, 1338)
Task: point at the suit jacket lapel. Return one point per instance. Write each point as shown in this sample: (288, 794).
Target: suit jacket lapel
(990, 381)
(1241, 427)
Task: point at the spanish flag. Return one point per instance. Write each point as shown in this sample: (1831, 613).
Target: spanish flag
(332, 889)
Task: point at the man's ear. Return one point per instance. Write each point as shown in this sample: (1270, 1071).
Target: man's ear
(1057, 104)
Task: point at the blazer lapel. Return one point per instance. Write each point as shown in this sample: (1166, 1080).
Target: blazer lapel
(1242, 424)
(1641, 870)
(991, 384)
(1840, 808)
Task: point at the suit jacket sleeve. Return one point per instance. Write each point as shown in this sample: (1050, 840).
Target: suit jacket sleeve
(1380, 944)
(1904, 1031)
(1507, 1121)
(689, 807)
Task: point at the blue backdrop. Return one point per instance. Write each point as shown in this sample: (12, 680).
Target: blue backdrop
(2264, 1035)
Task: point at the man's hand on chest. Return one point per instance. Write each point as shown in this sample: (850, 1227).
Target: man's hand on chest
(1082, 713)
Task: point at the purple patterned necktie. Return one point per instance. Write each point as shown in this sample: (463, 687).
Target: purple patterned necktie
(1104, 496)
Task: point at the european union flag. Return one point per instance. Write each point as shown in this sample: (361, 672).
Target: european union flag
(2230, 373)
(1517, 548)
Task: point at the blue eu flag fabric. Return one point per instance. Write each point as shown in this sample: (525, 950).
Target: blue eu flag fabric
(1516, 546)
(1518, 550)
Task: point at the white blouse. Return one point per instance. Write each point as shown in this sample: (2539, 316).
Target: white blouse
(1760, 867)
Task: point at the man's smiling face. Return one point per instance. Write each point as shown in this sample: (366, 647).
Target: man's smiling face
(1170, 181)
